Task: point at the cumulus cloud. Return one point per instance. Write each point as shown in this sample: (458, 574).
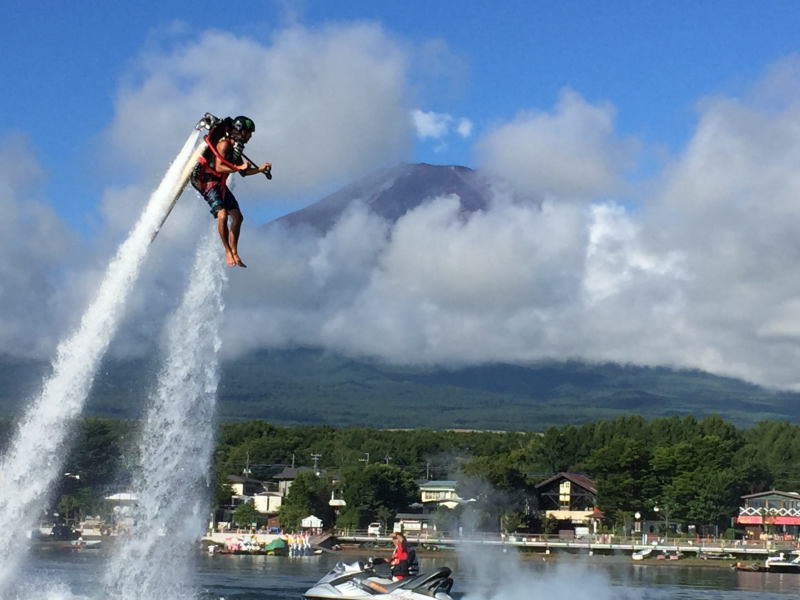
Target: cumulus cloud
(699, 274)
(439, 125)
(464, 127)
(697, 269)
(570, 153)
(328, 104)
(40, 255)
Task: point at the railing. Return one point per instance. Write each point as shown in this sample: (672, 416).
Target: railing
(752, 511)
(595, 541)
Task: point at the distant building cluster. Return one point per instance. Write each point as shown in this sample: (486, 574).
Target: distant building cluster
(567, 499)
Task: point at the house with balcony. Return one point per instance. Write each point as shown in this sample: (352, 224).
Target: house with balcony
(771, 512)
(570, 499)
(434, 494)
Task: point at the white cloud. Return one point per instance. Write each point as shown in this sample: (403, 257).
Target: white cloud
(571, 153)
(431, 124)
(437, 126)
(464, 128)
(328, 104)
(40, 257)
(701, 272)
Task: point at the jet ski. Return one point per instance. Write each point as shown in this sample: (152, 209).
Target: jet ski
(358, 581)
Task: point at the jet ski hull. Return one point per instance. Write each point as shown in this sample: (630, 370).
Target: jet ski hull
(358, 582)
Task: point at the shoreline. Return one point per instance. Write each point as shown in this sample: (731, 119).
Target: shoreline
(688, 561)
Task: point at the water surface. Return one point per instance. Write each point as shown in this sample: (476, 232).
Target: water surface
(79, 576)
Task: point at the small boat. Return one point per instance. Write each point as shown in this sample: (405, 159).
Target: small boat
(642, 554)
(781, 564)
(773, 564)
(61, 537)
(717, 556)
(750, 567)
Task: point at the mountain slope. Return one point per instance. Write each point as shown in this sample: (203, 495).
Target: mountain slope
(314, 387)
(391, 193)
(311, 386)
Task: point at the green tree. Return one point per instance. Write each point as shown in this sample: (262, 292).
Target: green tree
(245, 515)
(308, 495)
(378, 490)
(511, 521)
(621, 471)
(349, 518)
(499, 471)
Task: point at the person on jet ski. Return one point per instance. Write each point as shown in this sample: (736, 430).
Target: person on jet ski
(223, 156)
(399, 561)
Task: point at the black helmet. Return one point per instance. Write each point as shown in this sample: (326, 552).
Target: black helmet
(242, 124)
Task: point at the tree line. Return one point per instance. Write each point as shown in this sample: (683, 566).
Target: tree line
(697, 469)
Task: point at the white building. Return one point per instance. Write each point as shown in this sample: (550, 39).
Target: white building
(439, 493)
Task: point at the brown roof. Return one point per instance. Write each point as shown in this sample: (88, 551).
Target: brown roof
(577, 478)
(242, 479)
(793, 495)
(291, 472)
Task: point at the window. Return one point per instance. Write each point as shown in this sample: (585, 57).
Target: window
(564, 493)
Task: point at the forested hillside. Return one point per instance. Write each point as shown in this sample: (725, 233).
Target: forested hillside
(695, 469)
(313, 387)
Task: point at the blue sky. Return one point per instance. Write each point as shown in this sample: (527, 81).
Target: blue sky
(652, 61)
(659, 142)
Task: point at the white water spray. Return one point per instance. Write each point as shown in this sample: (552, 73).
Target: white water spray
(176, 447)
(33, 462)
(495, 575)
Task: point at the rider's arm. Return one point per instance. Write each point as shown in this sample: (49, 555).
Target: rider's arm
(252, 169)
(222, 165)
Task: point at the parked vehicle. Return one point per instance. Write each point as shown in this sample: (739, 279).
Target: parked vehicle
(63, 533)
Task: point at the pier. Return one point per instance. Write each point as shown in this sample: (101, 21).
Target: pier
(603, 544)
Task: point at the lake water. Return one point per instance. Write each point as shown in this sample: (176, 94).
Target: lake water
(78, 576)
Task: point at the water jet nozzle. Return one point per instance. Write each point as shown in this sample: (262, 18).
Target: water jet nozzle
(208, 121)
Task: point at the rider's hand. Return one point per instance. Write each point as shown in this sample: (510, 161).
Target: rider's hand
(265, 167)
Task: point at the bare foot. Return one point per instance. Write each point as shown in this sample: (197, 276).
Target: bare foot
(239, 261)
(229, 259)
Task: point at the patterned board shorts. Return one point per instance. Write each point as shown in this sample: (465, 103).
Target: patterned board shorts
(220, 197)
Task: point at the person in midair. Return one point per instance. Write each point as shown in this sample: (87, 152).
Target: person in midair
(223, 156)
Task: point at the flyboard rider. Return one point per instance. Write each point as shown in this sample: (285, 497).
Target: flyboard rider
(225, 141)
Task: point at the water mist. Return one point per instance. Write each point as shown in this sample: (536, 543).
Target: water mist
(175, 448)
(33, 463)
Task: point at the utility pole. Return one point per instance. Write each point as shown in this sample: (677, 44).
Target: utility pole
(428, 470)
(315, 458)
(365, 460)
(246, 471)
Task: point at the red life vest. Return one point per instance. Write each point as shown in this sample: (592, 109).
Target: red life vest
(208, 161)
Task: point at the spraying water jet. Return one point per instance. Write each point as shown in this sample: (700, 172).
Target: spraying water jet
(38, 443)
